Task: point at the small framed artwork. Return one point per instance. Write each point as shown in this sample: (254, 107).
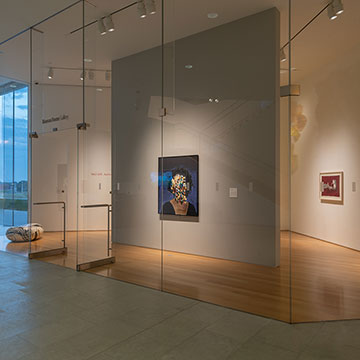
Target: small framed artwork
(179, 185)
(332, 187)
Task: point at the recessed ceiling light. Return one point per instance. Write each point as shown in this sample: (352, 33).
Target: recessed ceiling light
(189, 66)
(99, 89)
(212, 15)
(88, 60)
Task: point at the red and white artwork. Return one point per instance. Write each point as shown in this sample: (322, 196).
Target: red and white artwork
(331, 187)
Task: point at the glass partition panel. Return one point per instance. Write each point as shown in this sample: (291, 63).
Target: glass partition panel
(119, 150)
(57, 108)
(219, 194)
(14, 123)
(325, 169)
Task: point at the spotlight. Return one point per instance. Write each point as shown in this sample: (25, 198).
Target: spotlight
(50, 73)
(107, 75)
(150, 6)
(211, 100)
(331, 12)
(141, 9)
(217, 101)
(101, 27)
(91, 75)
(83, 75)
(338, 7)
(282, 55)
(109, 25)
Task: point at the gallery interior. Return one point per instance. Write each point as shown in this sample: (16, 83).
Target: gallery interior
(206, 149)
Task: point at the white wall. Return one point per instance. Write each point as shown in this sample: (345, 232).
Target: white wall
(236, 140)
(329, 142)
(54, 154)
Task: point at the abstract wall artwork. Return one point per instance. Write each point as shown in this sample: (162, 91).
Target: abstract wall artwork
(179, 185)
(331, 187)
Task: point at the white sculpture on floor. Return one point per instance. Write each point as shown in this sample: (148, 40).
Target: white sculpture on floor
(21, 233)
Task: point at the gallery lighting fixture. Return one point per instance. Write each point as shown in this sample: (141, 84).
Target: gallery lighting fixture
(109, 25)
(50, 73)
(338, 7)
(101, 27)
(150, 6)
(83, 75)
(141, 9)
(107, 75)
(331, 12)
(282, 55)
(212, 15)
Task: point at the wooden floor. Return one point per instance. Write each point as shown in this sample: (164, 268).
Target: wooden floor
(325, 278)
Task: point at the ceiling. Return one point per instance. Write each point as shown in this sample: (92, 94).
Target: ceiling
(17, 15)
(319, 44)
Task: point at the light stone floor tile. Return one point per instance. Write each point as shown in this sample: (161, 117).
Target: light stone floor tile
(56, 331)
(293, 337)
(49, 312)
(175, 330)
(94, 341)
(239, 326)
(340, 353)
(14, 348)
(139, 347)
(205, 312)
(205, 345)
(101, 356)
(254, 349)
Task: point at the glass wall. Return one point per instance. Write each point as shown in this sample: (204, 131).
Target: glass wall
(324, 162)
(199, 153)
(120, 149)
(57, 109)
(14, 124)
(220, 137)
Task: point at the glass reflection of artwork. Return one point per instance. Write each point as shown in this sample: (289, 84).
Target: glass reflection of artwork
(179, 185)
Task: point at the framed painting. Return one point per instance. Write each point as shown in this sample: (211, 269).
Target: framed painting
(179, 185)
(332, 187)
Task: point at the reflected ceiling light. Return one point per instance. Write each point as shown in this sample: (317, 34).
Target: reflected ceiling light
(83, 75)
(107, 75)
(50, 73)
(101, 27)
(91, 75)
(109, 25)
(141, 9)
(150, 6)
(338, 7)
(282, 55)
(212, 15)
(331, 12)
